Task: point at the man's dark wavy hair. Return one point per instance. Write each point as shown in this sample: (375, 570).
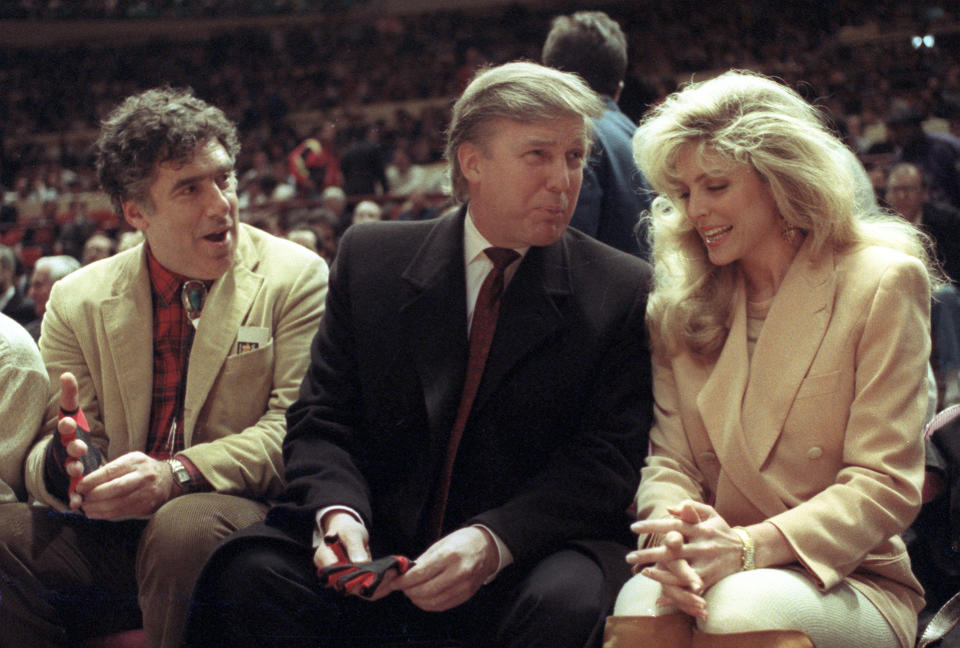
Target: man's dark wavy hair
(159, 125)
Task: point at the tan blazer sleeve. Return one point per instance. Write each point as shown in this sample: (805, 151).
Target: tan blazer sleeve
(876, 493)
(63, 351)
(670, 475)
(24, 390)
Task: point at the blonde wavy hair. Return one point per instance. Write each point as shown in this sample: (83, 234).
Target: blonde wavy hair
(746, 118)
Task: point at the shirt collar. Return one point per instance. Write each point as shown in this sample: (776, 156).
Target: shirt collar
(165, 284)
(474, 243)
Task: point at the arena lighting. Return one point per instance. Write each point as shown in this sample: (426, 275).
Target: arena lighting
(922, 41)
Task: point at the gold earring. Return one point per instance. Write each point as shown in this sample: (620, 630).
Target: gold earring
(790, 233)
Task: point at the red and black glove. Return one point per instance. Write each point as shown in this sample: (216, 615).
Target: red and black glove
(55, 474)
(358, 578)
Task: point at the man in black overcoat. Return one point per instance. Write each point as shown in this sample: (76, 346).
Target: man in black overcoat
(522, 542)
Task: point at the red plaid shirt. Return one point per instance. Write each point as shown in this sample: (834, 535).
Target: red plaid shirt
(172, 338)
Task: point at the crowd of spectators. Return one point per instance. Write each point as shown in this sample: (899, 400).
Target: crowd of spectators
(363, 100)
(146, 9)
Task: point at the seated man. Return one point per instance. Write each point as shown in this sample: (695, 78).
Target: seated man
(504, 456)
(13, 302)
(187, 351)
(24, 392)
(47, 271)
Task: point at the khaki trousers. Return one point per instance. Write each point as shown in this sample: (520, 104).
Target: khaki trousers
(64, 578)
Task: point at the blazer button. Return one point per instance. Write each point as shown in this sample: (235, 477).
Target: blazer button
(708, 457)
(815, 452)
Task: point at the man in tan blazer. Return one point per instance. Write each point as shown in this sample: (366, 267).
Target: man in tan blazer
(184, 353)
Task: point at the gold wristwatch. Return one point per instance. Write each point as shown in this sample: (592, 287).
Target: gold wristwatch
(747, 550)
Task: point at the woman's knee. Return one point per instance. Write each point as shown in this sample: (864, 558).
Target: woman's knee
(639, 596)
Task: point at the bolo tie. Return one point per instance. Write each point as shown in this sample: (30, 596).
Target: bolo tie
(192, 295)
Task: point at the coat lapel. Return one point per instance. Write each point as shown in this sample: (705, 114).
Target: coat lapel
(530, 311)
(433, 319)
(745, 401)
(721, 397)
(788, 343)
(226, 308)
(128, 323)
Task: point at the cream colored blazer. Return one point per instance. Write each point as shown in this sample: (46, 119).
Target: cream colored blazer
(820, 432)
(98, 325)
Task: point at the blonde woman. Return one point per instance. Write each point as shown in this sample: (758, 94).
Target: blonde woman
(790, 331)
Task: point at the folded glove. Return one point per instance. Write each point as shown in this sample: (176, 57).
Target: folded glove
(358, 578)
(55, 474)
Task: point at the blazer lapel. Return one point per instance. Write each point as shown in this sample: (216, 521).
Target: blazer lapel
(721, 397)
(226, 308)
(789, 341)
(433, 319)
(720, 403)
(127, 319)
(530, 311)
(745, 401)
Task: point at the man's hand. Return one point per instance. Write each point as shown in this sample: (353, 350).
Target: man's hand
(355, 539)
(76, 451)
(70, 455)
(130, 486)
(352, 534)
(450, 571)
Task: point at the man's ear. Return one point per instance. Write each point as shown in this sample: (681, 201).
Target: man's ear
(135, 216)
(469, 155)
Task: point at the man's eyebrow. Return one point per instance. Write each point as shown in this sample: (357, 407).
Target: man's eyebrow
(539, 141)
(224, 168)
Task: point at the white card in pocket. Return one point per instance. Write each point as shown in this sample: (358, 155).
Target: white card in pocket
(250, 338)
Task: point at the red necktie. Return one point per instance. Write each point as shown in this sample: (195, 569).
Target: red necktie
(481, 334)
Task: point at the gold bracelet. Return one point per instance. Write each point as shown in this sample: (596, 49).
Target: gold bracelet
(747, 549)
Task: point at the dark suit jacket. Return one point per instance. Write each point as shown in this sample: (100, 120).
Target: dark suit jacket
(553, 445)
(20, 308)
(942, 223)
(613, 195)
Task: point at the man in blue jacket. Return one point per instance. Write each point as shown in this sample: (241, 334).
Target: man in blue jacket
(614, 193)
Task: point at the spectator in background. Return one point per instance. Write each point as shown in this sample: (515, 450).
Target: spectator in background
(76, 230)
(614, 194)
(907, 193)
(936, 154)
(46, 272)
(315, 162)
(257, 193)
(417, 207)
(362, 165)
(128, 240)
(260, 167)
(334, 200)
(13, 302)
(365, 212)
(403, 175)
(99, 246)
(285, 184)
(306, 236)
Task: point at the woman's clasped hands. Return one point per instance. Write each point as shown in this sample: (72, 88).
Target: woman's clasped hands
(698, 548)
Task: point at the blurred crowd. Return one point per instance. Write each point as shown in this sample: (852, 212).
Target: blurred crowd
(344, 108)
